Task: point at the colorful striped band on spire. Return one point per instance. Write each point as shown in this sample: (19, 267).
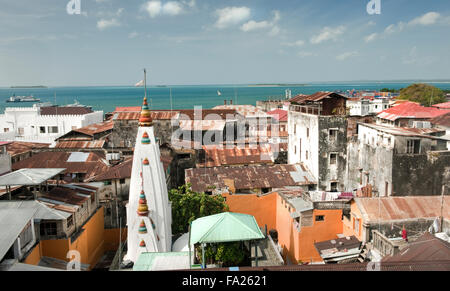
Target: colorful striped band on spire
(142, 228)
(145, 120)
(145, 138)
(146, 162)
(142, 244)
(142, 208)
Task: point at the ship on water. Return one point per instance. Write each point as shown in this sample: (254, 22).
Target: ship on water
(15, 98)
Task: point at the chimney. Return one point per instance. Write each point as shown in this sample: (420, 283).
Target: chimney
(231, 102)
(224, 102)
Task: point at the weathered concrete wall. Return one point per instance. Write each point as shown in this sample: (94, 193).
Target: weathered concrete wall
(369, 165)
(328, 145)
(394, 229)
(424, 174)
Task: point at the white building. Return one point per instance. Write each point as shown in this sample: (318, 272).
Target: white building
(364, 107)
(44, 124)
(149, 213)
(317, 138)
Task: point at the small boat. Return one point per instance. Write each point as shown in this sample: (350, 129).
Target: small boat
(15, 98)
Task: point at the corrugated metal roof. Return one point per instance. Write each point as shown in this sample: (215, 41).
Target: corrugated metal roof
(65, 110)
(411, 110)
(29, 177)
(443, 120)
(248, 111)
(316, 97)
(12, 223)
(248, 177)
(120, 171)
(225, 227)
(403, 131)
(95, 144)
(217, 157)
(427, 247)
(445, 105)
(95, 128)
(94, 164)
(17, 147)
(203, 125)
(401, 208)
(279, 114)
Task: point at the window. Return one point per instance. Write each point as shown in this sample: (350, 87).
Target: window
(307, 132)
(307, 154)
(413, 146)
(107, 183)
(333, 159)
(333, 186)
(320, 217)
(6, 130)
(21, 131)
(122, 181)
(295, 128)
(295, 149)
(52, 129)
(69, 221)
(48, 228)
(42, 129)
(333, 134)
(356, 225)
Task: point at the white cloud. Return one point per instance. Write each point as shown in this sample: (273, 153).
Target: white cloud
(371, 37)
(426, 19)
(156, 8)
(172, 8)
(272, 25)
(253, 25)
(346, 55)
(105, 23)
(328, 33)
(429, 18)
(231, 16)
(153, 8)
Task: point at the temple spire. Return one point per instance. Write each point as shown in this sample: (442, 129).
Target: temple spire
(145, 119)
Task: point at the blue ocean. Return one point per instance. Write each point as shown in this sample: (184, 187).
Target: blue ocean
(181, 97)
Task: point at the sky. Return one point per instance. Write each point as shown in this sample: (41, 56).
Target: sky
(200, 42)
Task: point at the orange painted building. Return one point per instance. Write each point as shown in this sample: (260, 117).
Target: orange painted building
(262, 207)
(91, 243)
(298, 229)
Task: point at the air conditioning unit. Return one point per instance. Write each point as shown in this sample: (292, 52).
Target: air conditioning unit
(113, 157)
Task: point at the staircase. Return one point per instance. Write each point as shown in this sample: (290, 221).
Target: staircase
(364, 252)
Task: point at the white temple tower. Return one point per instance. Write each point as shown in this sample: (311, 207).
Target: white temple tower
(149, 214)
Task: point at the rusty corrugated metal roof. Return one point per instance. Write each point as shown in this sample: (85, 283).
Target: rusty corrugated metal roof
(316, 97)
(426, 247)
(443, 120)
(120, 171)
(216, 156)
(248, 177)
(92, 166)
(401, 208)
(17, 147)
(95, 144)
(56, 110)
(95, 128)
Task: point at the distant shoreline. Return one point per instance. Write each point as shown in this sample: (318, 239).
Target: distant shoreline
(276, 85)
(29, 87)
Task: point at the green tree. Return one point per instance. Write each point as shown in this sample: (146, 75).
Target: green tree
(226, 254)
(188, 205)
(424, 94)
